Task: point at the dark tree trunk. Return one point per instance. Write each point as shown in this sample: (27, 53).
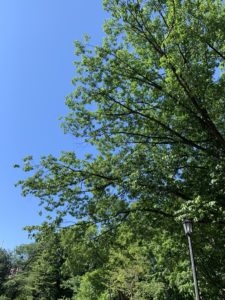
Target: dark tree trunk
(121, 296)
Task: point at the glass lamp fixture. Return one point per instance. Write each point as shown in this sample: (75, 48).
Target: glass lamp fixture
(187, 226)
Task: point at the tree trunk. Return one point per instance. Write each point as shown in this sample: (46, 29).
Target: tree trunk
(121, 296)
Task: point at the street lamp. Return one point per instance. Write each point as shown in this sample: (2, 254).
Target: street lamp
(188, 231)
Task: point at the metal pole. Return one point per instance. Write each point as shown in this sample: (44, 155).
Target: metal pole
(193, 268)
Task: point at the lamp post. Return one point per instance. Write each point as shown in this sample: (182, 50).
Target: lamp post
(188, 231)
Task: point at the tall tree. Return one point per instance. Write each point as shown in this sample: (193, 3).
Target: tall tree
(5, 267)
(150, 100)
(37, 270)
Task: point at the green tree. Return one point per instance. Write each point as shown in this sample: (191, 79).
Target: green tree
(5, 266)
(150, 100)
(18, 283)
(44, 279)
(38, 270)
(85, 258)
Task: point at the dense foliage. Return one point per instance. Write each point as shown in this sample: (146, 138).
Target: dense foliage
(150, 102)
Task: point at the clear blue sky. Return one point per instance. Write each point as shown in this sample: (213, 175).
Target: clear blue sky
(36, 69)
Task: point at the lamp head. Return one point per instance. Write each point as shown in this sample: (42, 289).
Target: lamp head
(187, 226)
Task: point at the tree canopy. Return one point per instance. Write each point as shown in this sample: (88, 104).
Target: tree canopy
(150, 102)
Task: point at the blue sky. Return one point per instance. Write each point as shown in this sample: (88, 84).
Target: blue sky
(36, 59)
